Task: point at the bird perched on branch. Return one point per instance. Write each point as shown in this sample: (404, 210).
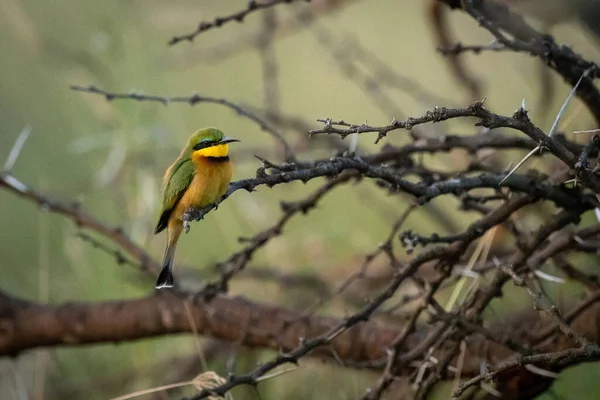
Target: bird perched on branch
(200, 176)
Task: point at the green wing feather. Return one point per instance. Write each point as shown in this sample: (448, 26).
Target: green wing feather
(174, 186)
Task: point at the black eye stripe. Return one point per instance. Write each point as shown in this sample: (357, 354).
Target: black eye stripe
(204, 144)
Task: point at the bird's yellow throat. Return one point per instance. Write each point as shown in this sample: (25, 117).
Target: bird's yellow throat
(220, 150)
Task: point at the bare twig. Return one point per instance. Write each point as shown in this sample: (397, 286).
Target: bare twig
(193, 100)
(239, 16)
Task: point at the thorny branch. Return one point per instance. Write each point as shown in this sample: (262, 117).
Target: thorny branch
(215, 53)
(239, 16)
(513, 33)
(238, 260)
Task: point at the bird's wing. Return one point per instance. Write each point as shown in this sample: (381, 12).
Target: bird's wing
(177, 179)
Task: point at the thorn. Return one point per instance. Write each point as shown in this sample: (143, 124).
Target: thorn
(17, 147)
(353, 142)
(527, 157)
(548, 277)
(566, 103)
(588, 131)
(14, 183)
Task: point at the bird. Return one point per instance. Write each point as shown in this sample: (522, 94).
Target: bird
(199, 177)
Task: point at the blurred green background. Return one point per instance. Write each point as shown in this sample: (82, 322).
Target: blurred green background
(110, 156)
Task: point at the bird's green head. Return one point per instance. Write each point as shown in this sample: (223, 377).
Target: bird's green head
(208, 142)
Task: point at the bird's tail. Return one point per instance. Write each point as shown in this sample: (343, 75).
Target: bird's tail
(165, 278)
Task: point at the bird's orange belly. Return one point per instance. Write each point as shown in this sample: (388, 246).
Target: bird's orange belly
(209, 184)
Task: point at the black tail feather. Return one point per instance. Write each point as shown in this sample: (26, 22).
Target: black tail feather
(165, 278)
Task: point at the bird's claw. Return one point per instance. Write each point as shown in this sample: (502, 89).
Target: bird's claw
(186, 226)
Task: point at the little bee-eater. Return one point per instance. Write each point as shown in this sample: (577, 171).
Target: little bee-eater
(200, 176)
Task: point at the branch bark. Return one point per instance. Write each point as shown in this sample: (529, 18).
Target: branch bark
(26, 325)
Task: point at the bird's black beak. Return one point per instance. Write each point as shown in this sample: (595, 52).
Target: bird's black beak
(227, 139)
